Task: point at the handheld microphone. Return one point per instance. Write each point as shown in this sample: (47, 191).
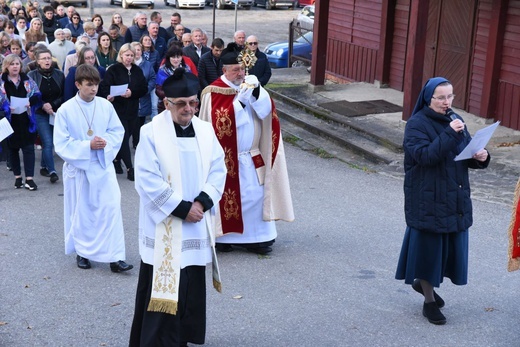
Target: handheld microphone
(453, 116)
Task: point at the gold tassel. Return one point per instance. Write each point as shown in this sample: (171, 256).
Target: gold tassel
(218, 90)
(217, 285)
(162, 305)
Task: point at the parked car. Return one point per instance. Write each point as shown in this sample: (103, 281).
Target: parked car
(126, 3)
(221, 4)
(270, 4)
(306, 2)
(56, 3)
(186, 3)
(305, 18)
(278, 53)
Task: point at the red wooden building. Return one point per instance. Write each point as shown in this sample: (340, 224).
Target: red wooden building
(401, 43)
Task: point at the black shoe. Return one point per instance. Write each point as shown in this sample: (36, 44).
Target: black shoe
(130, 174)
(418, 288)
(260, 250)
(54, 177)
(44, 172)
(120, 266)
(29, 184)
(433, 314)
(118, 167)
(224, 247)
(83, 263)
(18, 183)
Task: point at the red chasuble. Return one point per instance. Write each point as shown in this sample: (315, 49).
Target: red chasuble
(514, 233)
(223, 120)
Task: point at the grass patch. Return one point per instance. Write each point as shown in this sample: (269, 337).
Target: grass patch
(362, 168)
(291, 139)
(283, 85)
(320, 152)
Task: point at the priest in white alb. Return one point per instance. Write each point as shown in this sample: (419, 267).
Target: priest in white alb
(257, 191)
(179, 176)
(87, 136)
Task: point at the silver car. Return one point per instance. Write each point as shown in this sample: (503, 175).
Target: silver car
(221, 4)
(126, 3)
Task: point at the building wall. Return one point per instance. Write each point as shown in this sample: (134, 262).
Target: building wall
(480, 45)
(399, 40)
(353, 39)
(508, 105)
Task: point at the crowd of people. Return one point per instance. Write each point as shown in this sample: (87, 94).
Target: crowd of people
(26, 29)
(174, 91)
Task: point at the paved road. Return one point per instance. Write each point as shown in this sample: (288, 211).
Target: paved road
(329, 281)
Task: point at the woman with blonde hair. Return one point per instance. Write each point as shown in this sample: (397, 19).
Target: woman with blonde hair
(35, 32)
(90, 32)
(117, 19)
(14, 83)
(127, 105)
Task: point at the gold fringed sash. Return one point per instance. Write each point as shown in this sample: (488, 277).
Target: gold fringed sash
(168, 233)
(514, 233)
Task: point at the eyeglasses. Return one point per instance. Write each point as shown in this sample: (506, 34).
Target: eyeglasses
(182, 104)
(186, 41)
(444, 97)
(252, 43)
(75, 17)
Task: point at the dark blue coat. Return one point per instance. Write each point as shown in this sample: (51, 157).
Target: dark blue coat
(209, 69)
(145, 103)
(261, 70)
(436, 188)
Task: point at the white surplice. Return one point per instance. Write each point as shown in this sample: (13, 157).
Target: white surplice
(92, 199)
(158, 199)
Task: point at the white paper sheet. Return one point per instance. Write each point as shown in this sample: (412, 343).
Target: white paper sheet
(52, 118)
(18, 105)
(478, 142)
(5, 128)
(118, 90)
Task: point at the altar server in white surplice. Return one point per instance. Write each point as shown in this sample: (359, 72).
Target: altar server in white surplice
(179, 176)
(87, 136)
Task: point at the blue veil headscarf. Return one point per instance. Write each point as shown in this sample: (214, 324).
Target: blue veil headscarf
(425, 97)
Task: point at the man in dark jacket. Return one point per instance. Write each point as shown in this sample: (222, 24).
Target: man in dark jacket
(262, 69)
(115, 37)
(50, 23)
(196, 49)
(134, 32)
(210, 65)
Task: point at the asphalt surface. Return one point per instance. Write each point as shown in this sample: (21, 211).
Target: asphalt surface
(328, 282)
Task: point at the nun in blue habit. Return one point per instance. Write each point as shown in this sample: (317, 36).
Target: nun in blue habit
(438, 208)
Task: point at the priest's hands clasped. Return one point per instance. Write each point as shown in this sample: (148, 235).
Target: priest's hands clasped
(246, 89)
(97, 143)
(196, 213)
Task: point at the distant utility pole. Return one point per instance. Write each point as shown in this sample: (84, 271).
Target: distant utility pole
(91, 5)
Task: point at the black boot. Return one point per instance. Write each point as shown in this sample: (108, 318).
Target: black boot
(433, 314)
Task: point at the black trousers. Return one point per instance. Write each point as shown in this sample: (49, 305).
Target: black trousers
(155, 329)
(124, 152)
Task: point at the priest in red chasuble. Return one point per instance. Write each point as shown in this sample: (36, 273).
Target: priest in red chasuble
(257, 190)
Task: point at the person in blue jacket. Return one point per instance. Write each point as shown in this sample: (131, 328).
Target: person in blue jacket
(437, 207)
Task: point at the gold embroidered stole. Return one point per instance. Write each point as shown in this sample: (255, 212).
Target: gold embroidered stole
(168, 233)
